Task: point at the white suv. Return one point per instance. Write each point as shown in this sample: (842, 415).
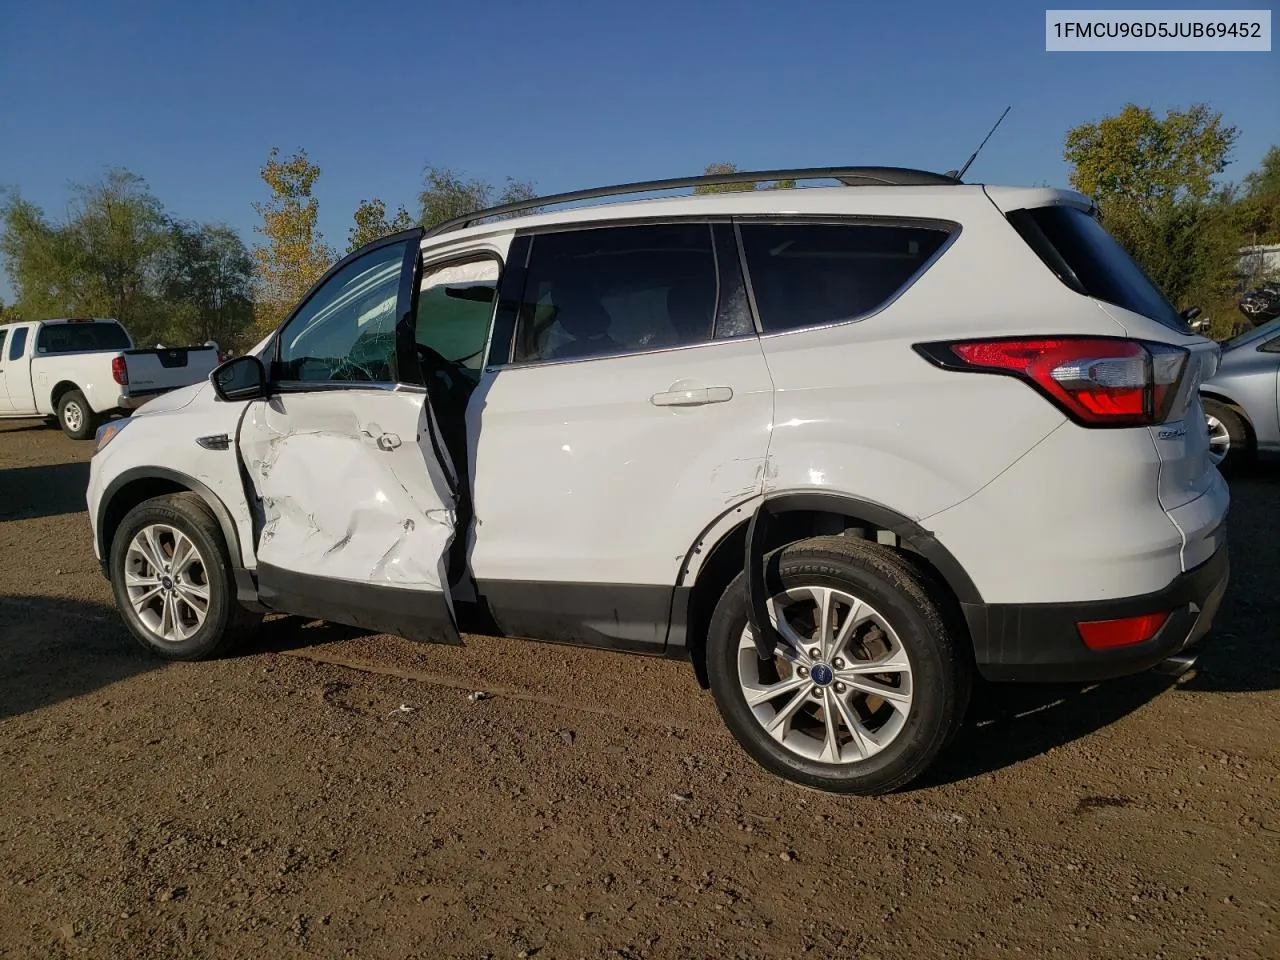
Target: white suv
(839, 446)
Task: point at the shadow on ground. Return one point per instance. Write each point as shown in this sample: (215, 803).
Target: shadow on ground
(53, 649)
(43, 491)
(280, 634)
(25, 426)
(1009, 723)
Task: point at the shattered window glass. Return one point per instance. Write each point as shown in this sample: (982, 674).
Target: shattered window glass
(346, 331)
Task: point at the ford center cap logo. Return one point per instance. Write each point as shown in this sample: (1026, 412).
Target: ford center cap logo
(822, 674)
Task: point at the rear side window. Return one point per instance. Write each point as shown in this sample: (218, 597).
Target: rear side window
(72, 337)
(18, 343)
(615, 290)
(804, 275)
(1078, 249)
(3, 334)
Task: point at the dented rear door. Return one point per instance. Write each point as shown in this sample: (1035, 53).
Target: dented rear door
(355, 503)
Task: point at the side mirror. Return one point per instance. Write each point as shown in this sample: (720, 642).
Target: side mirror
(1190, 313)
(241, 378)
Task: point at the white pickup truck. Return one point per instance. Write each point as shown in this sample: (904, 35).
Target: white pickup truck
(83, 370)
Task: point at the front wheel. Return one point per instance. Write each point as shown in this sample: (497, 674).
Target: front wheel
(172, 580)
(75, 416)
(871, 683)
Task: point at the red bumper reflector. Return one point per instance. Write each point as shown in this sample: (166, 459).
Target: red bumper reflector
(1105, 634)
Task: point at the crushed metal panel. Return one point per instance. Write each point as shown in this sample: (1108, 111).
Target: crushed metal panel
(346, 499)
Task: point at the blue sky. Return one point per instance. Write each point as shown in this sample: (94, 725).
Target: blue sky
(193, 95)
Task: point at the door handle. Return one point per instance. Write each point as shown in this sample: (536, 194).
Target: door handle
(388, 441)
(694, 397)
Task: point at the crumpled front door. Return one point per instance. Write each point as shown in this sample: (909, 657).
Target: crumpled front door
(355, 509)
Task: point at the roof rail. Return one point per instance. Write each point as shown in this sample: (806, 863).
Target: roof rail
(849, 176)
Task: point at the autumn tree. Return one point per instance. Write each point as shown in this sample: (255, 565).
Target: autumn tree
(294, 254)
(712, 169)
(372, 223)
(1153, 181)
(447, 194)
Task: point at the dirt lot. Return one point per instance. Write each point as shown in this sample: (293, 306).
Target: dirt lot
(285, 802)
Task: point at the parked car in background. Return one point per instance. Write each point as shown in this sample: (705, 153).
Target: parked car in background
(83, 370)
(1261, 305)
(839, 447)
(1242, 400)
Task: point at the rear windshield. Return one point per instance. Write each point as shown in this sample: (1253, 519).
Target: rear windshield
(73, 337)
(1086, 258)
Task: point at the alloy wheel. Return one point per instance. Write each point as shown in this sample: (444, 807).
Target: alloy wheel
(838, 690)
(167, 583)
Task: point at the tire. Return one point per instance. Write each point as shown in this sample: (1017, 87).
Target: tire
(937, 680)
(184, 636)
(1228, 435)
(76, 417)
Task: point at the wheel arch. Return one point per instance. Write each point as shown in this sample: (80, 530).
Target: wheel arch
(140, 484)
(60, 390)
(797, 516)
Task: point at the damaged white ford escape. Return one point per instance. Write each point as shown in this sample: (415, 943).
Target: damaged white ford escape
(844, 448)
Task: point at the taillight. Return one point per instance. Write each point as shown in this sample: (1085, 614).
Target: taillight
(1097, 381)
(1107, 634)
(119, 372)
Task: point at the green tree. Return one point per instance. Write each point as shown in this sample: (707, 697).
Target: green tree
(206, 282)
(372, 224)
(100, 261)
(1137, 159)
(1153, 181)
(121, 229)
(1258, 210)
(294, 254)
(447, 194)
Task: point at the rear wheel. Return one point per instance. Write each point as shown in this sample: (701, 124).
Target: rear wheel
(871, 683)
(1228, 435)
(75, 416)
(171, 575)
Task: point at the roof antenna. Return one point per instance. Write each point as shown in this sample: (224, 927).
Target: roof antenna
(960, 173)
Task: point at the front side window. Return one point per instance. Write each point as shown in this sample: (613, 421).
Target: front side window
(18, 343)
(455, 305)
(804, 275)
(347, 330)
(3, 335)
(615, 290)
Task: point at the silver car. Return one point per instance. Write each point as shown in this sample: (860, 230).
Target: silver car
(1242, 400)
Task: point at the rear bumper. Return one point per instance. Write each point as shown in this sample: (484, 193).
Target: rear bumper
(132, 400)
(1040, 642)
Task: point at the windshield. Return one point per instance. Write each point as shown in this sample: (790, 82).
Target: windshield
(77, 337)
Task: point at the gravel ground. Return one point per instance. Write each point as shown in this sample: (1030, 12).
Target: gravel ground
(323, 793)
